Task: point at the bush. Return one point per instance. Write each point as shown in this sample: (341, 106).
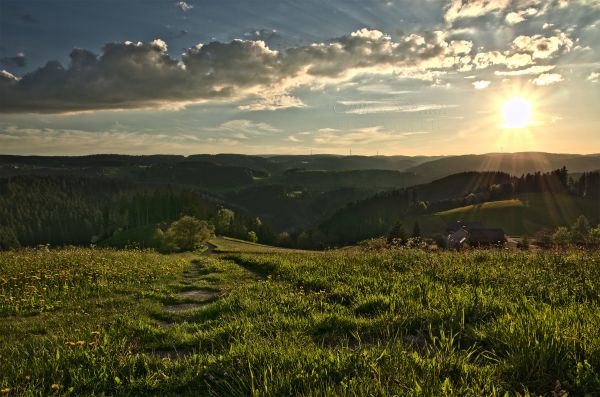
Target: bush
(252, 237)
(561, 236)
(373, 244)
(523, 243)
(186, 234)
(580, 230)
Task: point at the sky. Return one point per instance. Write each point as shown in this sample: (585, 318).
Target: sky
(395, 77)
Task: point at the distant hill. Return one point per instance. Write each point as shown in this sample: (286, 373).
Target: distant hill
(443, 201)
(511, 163)
(527, 214)
(279, 164)
(365, 179)
(376, 215)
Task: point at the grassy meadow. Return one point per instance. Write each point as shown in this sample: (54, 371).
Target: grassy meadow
(347, 322)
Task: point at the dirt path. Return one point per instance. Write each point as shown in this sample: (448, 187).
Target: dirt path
(210, 249)
(194, 294)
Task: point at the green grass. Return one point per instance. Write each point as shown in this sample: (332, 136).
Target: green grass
(348, 322)
(233, 245)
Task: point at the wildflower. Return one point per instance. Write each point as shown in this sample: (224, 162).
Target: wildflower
(5, 390)
(80, 343)
(55, 387)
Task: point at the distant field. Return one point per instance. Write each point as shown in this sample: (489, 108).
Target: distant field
(232, 245)
(349, 322)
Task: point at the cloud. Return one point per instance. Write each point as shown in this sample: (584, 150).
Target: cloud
(358, 137)
(473, 8)
(50, 141)
(594, 77)
(137, 75)
(541, 47)
(369, 107)
(524, 72)
(545, 79)
(240, 129)
(183, 6)
(512, 18)
(7, 77)
(274, 102)
(16, 61)
(248, 127)
(481, 84)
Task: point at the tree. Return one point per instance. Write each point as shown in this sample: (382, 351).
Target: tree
(8, 239)
(416, 230)
(595, 235)
(252, 237)
(187, 234)
(561, 236)
(158, 238)
(224, 220)
(580, 230)
(283, 239)
(397, 233)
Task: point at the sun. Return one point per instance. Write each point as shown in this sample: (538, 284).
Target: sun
(517, 113)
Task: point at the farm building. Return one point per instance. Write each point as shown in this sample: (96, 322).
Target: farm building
(474, 234)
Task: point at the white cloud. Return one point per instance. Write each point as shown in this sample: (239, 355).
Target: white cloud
(242, 129)
(183, 6)
(541, 47)
(274, 102)
(370, 107)
(545, 79)
(473, 8)
(481, 84)
(523, 72)
(594, 77)
(512, 18)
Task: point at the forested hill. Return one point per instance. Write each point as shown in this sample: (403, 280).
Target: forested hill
(376, 215)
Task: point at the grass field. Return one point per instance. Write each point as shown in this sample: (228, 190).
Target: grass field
(232, 245)
(395, 322)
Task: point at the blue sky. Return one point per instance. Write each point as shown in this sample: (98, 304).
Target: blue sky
(262, 77)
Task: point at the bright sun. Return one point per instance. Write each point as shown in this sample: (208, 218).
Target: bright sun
(516, 113)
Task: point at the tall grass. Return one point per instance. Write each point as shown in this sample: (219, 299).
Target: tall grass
(349, 322)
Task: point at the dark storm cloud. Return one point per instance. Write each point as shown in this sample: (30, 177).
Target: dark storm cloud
(132, 75)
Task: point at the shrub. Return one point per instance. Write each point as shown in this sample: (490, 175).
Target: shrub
(252, 237)
(187, 234)
(561, 236)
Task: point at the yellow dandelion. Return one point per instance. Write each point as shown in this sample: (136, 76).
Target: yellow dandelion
(6, 390)
(55, 387)
(80, 343)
